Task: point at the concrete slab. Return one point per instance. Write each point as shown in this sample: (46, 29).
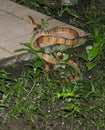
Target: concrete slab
(15, 26)
(14, 43)
(2, 12)
(5, 53)
(12, 27)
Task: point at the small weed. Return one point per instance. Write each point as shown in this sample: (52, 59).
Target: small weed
(93, 52)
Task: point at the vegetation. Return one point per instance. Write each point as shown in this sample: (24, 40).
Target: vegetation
(72, 105)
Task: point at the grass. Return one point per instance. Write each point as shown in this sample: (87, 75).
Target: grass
(34, 93)
(61, 104)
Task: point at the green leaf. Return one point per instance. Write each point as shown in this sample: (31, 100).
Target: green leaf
(92, 52)
(40, 1)
(65, 57)
(96, 31)
(39, 54)
(71, 107)
(72, 12)
(88, 48)
(83, 56)
(2, 89)
(3, 74)
(90, 65)
(22, 49)
(43, 23)
(77, 69)
(65, 95)
(32, 38)
(74, 1)
(38, 64)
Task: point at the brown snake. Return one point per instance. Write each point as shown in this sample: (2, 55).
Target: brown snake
(59, 35)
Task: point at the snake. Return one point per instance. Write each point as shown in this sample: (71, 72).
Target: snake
(59, 35)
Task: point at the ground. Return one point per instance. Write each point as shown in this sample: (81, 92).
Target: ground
(54, 106)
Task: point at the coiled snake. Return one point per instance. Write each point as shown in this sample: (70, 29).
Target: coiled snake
(59, 35)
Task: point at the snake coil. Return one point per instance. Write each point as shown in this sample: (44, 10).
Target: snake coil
(59, 35)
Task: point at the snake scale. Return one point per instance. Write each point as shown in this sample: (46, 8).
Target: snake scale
(60, 36)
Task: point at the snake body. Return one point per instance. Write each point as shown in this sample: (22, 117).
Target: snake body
(59, 35)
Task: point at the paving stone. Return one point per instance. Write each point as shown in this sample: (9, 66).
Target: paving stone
(22, 13)
(2, 12)
(15, 43)
(4, 53)
(11, 27)
(15, 26)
